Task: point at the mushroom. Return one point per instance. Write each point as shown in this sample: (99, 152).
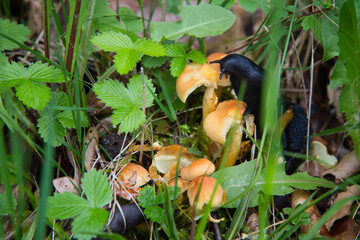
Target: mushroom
(169, 155)
(181, 183)
(194, 76)
(196, 169)
(205, 190)
(217, 124)
(128, 171)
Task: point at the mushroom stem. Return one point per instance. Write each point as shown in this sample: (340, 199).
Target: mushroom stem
(210, 101)
(231, 153)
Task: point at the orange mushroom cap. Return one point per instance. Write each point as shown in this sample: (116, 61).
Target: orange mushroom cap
(218, 123)
(194, 76)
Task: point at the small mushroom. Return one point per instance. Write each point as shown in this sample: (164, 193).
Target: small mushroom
(194, 76)
(128, 171)
(202, 189)
(164, 158)
(196, 169)
(217, 125)
(181, 183)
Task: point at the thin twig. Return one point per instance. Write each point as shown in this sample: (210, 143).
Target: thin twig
(143, 110)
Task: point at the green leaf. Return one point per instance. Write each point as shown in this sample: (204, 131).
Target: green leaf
(51, 130)
(4, 207)
(175, 50)
(96, 188)
(16, 31)
(3, 59)
(147, 197)
(156, 214)
(126, 60)
(42, 72)
(33, 94)
(66, 205)
(53, 121)
(89, 217)
(314, 23)
(330, 36)
(12, 75)
(149, 47)
(131, 21)
(128, 118)
(152, 62)
(236, 179)
(196, 56)
(110, 92)
(126, 101)
(92, 220)
(66, 119)
(177, 66)
(252, 5)
(112, 41)
(338, 75)
(199, 21)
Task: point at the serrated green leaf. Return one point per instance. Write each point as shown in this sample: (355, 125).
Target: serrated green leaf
(96, 188)
(149, 47)
(12, 75)
(177, 66)
(16, 31)
(126, 101)
(92, 220)
(42, 72)
(196, 56)
(3, 59)
(147, 197)
(338, 75)
(236, 179)
(33, 94)
(51, 130)
(129, 118)
(313, 23)
(175, 50)
(135, 87)
(66, 118)
(131, 21)
(200, 21)
(4, 207)
(156, 214)
(126, 60)
(153, 62)
(110, 92)
(66, 205)
(112, 41)
(253, 5)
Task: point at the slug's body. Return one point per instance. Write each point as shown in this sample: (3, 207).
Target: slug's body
(243, 70)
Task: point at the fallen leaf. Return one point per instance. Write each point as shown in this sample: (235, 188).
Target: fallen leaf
(348, 166)
(65, 184)
(344, 210)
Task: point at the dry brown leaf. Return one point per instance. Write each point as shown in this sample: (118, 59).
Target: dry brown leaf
(344, 210)
(348, 166)
(344, 229)
(63, 184)
(91, 141)
(300, 196)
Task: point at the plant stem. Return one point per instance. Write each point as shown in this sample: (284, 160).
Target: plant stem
(70, 51)
(46, 27)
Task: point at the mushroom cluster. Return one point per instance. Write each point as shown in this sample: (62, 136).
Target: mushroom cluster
(175, 160)
(218, 119)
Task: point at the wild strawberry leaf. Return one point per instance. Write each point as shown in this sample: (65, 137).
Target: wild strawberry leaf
(126, 101)
(11, 29)
(177, 66)
(126, 60)
(112, 41)
(89, 217)
(33, 94)
(149, 47)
